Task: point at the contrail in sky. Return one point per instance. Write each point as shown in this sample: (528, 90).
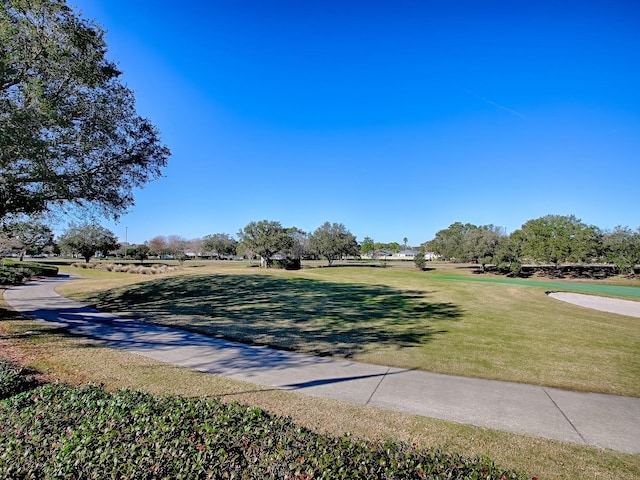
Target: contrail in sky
(497, 105)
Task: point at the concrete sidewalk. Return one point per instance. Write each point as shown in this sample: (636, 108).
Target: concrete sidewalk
(605, 421)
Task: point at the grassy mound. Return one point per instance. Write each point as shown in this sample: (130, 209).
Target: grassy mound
(59, 431)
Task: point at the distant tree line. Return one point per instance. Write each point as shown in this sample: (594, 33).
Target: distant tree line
(550, 240)
(266, 239)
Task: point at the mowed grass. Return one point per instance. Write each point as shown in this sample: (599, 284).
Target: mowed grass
(77, 360)
(394, 316)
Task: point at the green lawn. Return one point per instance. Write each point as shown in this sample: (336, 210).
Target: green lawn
(77, 360)
(591, 287)
(397, 317)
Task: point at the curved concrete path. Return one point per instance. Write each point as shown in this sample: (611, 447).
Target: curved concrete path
(605, 421)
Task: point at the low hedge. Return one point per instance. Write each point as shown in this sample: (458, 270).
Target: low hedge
(37, 269)
(14, 275)
(59, 431)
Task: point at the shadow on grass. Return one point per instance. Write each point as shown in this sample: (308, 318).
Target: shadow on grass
(311, 316)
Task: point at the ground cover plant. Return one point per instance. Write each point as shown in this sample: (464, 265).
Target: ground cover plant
(396, 317)
(62, 431)
(13, 380)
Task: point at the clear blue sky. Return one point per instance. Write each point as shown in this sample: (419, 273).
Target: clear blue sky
(394, 118)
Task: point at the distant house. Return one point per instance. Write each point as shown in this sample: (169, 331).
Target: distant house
(408, 254)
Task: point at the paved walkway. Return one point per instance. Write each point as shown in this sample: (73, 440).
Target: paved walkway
(605, 421)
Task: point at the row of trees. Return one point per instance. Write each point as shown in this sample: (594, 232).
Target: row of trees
(265, 239)
(552, 240)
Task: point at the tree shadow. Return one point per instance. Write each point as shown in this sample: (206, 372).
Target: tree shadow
(311, 316)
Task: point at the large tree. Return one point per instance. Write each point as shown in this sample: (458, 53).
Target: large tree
(557, 239)
(23, 236)
(449, 242)
(368, 246)
(333, 240)
(265, 238)
(178, 247)
(480, 243)
(88, 239)
(138, 252)
(219, 243)
(299, 243)
(158, 246)
(622, 247)
(69, 131)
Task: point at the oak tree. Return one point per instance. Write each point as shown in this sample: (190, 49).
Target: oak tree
(265, 238)
(87, 240)
(219, 243)
(69, 130)
(333, 240)
(24, 236)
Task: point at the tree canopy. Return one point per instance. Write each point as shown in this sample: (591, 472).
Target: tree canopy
(22, 236)
(265, 238)
(220, 243)
(622, 247)
(69, 131)
(332, 240)
(559, 238)
(368, 246)
(138, 252)
(549, 240)
(88, 239)
(466, 242)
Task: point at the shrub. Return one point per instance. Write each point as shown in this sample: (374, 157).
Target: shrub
(286, 263)
(419, 261)
(14, 275)
(13, 272)
(38, 269)
(58, 431)
(127, 268)
(13, 380)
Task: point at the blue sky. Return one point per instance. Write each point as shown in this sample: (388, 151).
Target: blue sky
(394, 118)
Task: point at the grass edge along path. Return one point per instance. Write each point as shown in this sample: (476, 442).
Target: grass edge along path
(78, 360)
(397, 318)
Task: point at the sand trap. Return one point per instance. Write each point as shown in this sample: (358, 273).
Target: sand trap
(605, 304)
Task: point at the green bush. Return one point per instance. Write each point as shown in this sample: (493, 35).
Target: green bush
(286, 263)
(37, 269)
(58, 431)
(14, 275)
(13, 380)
